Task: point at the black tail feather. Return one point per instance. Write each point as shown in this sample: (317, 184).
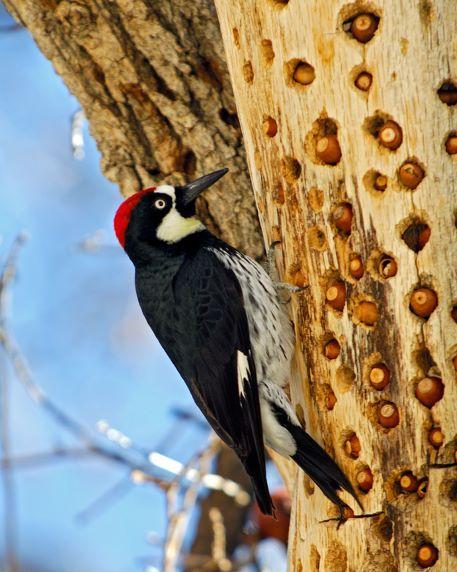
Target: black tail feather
(320, 467)
(259, 484)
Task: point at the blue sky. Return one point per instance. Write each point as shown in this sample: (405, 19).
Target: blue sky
(76, 318)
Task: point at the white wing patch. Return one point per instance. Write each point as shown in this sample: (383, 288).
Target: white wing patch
(243, 370)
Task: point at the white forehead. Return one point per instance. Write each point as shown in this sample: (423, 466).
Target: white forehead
(167, 190)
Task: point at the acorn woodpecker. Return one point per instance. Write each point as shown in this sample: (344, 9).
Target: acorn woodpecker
(217, 314)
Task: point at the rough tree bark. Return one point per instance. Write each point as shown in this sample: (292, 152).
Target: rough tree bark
(152, 80)
(294, 66)
(153, 83)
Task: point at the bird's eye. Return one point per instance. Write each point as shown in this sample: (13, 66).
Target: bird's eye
(160, 204)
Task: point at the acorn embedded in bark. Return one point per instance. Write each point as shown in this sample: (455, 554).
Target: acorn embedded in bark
(364, 26)
(380, 182)
(367, 313)
(436, 437)
(411, 174)
(332, 349)
(270, 127)
(379, 376)
(364, 479)
(352, 446)
(328, 149)
(342, 217)
(336, 295)
(356, 268)
(427, 555)
(429, 391)
(388, 415)
(423, 302)
(422, 488)
(448, 92)
(363, 81)
(304, 73)
(390, 135)
(387, 267)
(451, 144)
(330, 399)
(408, 482)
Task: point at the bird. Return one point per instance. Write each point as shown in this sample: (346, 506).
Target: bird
(217, 314)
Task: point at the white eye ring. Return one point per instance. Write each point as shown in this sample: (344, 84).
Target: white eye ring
(160, 204)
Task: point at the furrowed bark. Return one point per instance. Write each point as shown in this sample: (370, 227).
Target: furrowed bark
(152, 80)
(294, 68)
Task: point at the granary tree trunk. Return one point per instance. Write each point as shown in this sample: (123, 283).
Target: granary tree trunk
(350, 130)
(348, 116)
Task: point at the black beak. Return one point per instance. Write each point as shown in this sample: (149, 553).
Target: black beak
(193, 189)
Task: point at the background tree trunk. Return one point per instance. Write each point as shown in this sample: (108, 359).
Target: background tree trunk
(152, 80)
(306, 196)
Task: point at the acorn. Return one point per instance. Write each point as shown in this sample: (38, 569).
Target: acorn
(367, 313)
(356, 268)
(270, 127)
(408, 482)
(364, 26)
(454, 313)
(380, 182)
(336, 295)
(388, 415)
(429, 391)
(436, 437)
(363, 81)
(422, 487)
(364, 479)
(427, 555)
(342, 217)
(387, 267)
(424, 235)
(390, 135)
(332, 349)
(448, 93)
(411, 174)
(454, 362)
(330, 399)
(328, 149)
(379, 376)
(304, 74)
(423, 302)
(451, 144)
(352, 446)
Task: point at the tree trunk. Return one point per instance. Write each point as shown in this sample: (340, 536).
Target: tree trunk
(153, 83)
(326, 147)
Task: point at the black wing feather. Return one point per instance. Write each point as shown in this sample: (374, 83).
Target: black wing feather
(208, 329)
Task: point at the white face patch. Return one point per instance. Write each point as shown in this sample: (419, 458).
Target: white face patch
(174, 226)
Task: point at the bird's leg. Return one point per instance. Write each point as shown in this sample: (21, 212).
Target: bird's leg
(273, 273)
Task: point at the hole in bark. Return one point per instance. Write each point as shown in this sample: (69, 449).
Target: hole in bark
(382, 265)
(424, 360)
(299, 73)
(236, 37)
(248, 72)
(447, 92)
(383, 528)
(290, 169)
(375, 182)
(229, 118)
(411, 173)
(321, 142)
(279, 3)
(270, 127)
(345, 378)
(364, 311)
(316, 238)
(267, 51)
(454, 312)
(451, 143)
(190, 163)
(415, 233)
